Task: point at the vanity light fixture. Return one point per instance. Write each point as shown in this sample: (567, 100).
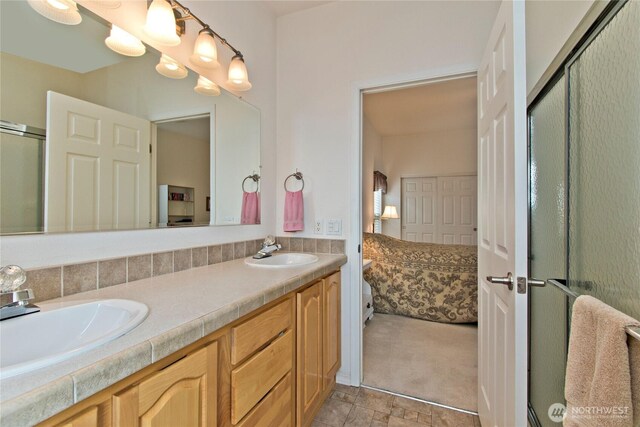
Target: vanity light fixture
(124, 43)
(171, 68)
(238, 75)
(61, 11)
(207, 87)
(205, 52)
(161, 23)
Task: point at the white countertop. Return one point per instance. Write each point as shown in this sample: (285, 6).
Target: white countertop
(183, 307)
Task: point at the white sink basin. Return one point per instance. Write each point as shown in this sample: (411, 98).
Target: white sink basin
(282, 260)
(42, 339)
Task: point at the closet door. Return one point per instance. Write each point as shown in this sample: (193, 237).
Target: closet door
(457, 206)
(419, 199)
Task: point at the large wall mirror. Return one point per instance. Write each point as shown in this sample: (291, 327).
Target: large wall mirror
(93, 140)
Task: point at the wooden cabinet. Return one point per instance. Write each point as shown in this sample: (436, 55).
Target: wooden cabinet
(309, 381)
(331, 329)
(272, 368)
(318, 345)
(183, 394)
(87, 418)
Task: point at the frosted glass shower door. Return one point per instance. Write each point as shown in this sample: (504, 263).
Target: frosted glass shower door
(604, 165)
(548, 306)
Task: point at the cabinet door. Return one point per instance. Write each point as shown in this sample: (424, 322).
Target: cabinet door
(183, 394)
(88, 418)
(331, 328)
(309, 356)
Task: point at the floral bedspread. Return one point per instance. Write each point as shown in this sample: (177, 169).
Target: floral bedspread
(423, 280)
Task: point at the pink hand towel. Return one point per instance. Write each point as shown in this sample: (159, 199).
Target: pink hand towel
(293, 211)
(250, 208)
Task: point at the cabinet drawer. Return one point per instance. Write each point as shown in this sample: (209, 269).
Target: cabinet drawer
(253, 380)
(275, 410)
(256, 332)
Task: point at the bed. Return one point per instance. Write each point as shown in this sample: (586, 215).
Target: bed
(422, 280)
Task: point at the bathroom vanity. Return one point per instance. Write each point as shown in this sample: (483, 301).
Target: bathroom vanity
(224, 345)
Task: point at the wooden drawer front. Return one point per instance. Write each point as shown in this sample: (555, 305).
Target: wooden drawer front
(256, 332)
(275, 410)
(253, 380)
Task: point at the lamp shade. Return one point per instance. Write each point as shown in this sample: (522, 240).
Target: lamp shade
(205, 52)
(238, 76)
(161, 23)
(171, 68)
(124, 43)
(206, 87)
(61, 11)
(390, 212)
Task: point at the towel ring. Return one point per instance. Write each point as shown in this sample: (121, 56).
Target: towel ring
(297, 175)
(255, 178)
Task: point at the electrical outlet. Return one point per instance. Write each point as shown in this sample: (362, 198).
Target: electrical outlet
(334, 227)
(318, 227)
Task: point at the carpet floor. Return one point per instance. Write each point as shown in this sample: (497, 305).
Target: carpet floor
(433, 361)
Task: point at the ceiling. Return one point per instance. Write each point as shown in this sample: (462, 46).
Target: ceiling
(196, 128)
(284, 7)
(78, 48)
(432, 107)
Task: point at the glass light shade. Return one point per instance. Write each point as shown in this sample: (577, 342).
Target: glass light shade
(171, 68)
(124, 43)
(390, 212)
(161, 23)
(238, 76)
(205, 52)
(61, 11)
(207, 87)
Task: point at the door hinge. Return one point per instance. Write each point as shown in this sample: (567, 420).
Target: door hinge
(150, 148)
(358, 248)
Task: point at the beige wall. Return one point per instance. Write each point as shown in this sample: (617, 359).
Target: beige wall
(371, 161)
(429, 154)
(184, 161)
(24, 84)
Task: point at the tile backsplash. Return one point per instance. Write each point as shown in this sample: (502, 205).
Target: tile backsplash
(53, 282)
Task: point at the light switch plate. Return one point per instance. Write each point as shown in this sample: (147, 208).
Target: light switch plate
(318, 227)
(334, 227)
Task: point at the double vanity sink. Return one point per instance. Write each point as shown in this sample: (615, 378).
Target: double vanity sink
(84, 343)
(42, 339)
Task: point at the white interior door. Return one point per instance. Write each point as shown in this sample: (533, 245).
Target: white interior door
(418, 210)
(502, 222)
(98, 167)
(457, 205)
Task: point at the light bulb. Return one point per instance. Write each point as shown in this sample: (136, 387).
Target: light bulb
(61, 11)
(207, 87)
(205, 53)
(161, 23)
(238, 75)
(171, 68)
(124, 43)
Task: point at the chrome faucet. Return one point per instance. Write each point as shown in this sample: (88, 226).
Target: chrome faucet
(14, 302)
(268, 247)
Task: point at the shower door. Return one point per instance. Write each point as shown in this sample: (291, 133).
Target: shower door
(584, 195)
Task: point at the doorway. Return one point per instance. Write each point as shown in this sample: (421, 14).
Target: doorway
(422, 138)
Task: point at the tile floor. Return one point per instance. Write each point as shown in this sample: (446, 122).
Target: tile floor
(358, 406)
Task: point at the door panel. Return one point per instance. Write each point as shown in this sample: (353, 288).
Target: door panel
(502, 358)
(419, 199)
(331, 328)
